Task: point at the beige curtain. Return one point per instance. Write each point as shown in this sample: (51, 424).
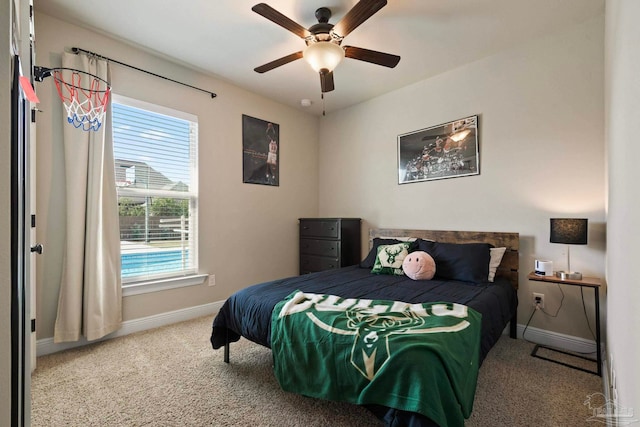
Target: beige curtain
(90, 299)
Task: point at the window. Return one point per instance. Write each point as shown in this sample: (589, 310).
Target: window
(155, 156)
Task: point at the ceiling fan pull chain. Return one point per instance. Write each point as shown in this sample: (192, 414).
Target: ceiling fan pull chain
(322, 97)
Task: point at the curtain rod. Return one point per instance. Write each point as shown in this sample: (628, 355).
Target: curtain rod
(78, 50)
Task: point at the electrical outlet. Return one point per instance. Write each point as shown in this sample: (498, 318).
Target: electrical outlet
(212, 280)
(538, 300)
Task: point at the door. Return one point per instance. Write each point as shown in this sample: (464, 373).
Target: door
(20, 253)
(21, 34)
(36, 248)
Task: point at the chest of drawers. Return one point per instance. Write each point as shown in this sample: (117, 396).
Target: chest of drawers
(328, 243)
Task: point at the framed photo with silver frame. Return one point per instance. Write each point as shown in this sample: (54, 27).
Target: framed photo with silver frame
(449, 150)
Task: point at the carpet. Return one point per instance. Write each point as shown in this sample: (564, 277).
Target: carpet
(171, 376)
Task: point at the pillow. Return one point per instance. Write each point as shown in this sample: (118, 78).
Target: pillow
(495, 258)
(400, 239)
(425, 245)
(468, 262)
(390, 257)
(419, 265)
(373, 253)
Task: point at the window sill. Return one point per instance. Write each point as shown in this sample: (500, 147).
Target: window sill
(162, 284)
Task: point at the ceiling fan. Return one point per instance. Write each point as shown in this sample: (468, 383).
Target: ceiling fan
(324, 51)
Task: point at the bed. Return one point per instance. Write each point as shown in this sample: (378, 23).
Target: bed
(459, 282)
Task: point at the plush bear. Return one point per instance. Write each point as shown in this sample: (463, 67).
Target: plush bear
(419, 265)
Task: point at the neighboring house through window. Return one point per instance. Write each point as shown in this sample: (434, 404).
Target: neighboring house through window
(155, 152)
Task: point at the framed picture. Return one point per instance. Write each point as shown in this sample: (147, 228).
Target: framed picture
(449, 150)
(260, 151)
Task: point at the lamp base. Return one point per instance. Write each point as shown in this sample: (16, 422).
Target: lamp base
(566, 275)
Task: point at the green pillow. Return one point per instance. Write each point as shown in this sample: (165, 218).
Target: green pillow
(389, 258)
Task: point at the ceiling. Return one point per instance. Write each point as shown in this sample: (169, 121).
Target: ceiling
(226, 39)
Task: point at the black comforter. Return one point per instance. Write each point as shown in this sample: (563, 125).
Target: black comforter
(247, 313)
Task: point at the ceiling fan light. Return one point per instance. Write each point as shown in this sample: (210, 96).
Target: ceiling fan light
(323, 55)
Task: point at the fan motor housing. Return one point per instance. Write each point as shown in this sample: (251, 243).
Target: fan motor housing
(323, 15)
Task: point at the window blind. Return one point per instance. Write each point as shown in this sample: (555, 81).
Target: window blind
(155, 152)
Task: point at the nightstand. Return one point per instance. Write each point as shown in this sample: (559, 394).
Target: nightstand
(586, 282)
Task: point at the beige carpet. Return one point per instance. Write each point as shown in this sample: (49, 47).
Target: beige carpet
(171, 377)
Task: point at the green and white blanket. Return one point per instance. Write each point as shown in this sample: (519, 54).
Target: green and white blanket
(414, 357)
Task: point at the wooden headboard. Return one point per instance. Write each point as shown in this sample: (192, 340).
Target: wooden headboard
(510, 261)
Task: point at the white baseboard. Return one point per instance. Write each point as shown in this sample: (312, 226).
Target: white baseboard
(557, 340)
(607, 388)
(47, 346)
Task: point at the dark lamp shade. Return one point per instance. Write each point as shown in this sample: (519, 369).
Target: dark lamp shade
(570, 231)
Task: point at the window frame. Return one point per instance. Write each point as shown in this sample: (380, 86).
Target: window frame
(175, 279)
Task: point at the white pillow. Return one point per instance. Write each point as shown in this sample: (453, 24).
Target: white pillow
(402, 239)
(494, 262)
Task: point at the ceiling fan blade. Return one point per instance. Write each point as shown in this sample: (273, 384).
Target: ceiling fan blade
(362, 11)
(326, 82)
(274, 16)
(278, 62)
(372, 56)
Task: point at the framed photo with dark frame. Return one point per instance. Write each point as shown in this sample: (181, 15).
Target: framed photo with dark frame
(260, 151)
(449, 150)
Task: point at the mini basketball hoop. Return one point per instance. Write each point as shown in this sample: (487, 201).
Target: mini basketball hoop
(84, 96)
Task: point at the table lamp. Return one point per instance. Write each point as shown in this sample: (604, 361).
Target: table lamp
(570, 231)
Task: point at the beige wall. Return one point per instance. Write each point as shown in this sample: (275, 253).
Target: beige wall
(5, 214)
(623, 210)
(248, 233)
(541, 155)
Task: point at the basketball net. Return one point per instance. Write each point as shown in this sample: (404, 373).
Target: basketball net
(84, 96)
